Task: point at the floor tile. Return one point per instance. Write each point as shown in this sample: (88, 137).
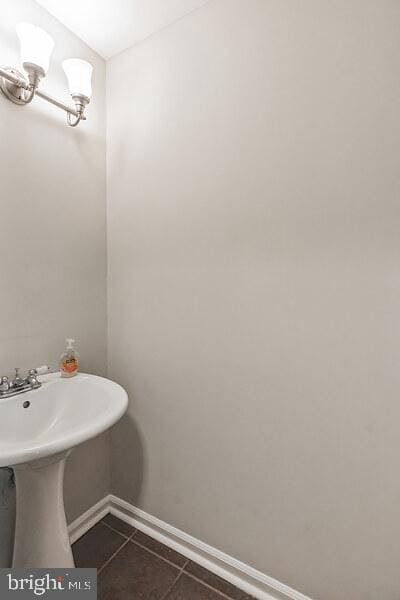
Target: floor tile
(136, 574)
(96, 546)
(160, 549)
(216, 582)
(187, 588)
(119, 525)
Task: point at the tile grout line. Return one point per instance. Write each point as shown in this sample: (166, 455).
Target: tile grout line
(157, 555)
(210, 587)
(171, 587)
(107, 562)
(127, 537)
(181, 571)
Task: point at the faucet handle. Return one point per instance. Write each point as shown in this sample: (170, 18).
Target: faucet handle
(4, 384)
(17, 381)
(32, 378)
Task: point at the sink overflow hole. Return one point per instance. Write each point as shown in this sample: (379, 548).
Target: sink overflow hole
(26, 404)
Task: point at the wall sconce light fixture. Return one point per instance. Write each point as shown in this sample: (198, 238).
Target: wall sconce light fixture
(36, 48)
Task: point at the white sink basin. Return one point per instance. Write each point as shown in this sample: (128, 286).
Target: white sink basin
(38, 430)
(61, 414)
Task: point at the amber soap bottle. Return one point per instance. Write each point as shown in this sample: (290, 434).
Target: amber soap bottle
(69, 361)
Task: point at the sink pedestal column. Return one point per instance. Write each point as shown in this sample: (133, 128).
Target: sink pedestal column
(41, 534)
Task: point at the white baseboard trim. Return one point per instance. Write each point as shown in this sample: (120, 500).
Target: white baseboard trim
(93, 515)
(243, 576)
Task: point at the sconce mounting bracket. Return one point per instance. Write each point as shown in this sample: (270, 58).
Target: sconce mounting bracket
(12, 91)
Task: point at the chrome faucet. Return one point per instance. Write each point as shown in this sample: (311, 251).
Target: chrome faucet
(19, 385)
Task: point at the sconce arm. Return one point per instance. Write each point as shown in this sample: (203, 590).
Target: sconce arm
(14, 77)
(72, 123)
(45, 96)
(11, 81)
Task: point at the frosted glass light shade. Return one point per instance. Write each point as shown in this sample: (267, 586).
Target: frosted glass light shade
(79, 75)
(36, 45)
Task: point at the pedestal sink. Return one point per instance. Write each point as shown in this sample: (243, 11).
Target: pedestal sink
(38, 430)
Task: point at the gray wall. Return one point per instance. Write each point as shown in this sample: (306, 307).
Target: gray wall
(254, 285)
(53, 233)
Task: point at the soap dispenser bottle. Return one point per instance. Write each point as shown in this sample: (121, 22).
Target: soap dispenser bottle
(69, 361)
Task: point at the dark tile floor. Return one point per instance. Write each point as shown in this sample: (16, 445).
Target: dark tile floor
(134, 566)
